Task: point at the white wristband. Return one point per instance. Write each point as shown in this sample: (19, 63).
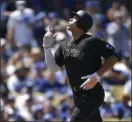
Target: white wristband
(98, 77)
(89, 76)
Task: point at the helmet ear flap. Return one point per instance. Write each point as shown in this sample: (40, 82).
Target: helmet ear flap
(80, 24)
(84, 24)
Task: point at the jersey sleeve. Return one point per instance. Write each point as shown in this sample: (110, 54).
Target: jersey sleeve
(59, 58)
(105, 49)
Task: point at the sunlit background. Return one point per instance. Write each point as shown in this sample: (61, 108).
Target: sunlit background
(30, 92)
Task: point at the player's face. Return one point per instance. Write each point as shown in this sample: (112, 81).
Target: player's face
(72, 24)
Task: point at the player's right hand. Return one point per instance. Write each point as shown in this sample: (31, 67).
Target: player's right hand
(91, 81)
(48, 38)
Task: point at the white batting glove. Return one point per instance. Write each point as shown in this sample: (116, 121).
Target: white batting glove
(48, 38)
(91, 81)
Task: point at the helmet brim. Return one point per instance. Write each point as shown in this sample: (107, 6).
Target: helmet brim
(75, 14)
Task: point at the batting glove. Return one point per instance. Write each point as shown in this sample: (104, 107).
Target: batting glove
(91, 81)
(48, 38)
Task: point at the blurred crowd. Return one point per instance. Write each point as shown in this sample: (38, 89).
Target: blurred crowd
(29, 91)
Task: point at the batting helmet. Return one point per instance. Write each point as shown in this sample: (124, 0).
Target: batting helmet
(85, 20)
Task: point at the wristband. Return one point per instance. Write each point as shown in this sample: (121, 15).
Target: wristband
(89, 76)
(96, 75)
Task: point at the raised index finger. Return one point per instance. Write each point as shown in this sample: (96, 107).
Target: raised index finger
(50, 28)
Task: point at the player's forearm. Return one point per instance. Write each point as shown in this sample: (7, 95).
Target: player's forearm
(109, 63)
(50, 61)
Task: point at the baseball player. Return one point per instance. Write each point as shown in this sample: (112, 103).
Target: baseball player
(82, 60)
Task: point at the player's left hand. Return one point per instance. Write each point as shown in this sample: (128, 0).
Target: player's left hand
(90, 82)
(49, 37)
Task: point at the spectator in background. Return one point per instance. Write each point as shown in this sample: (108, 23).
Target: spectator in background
(118, 35)
(124, 67)
(26, 111)
(2, 115)
(54, 18)
(128, 88)
(50, 112)
(3, 66)
(12, 80)
(93, 7)
(37, 64)
(39, 27)
(16, 57)
(4, 53)
(38, 112)
(6, 7)
(107, 108)
(66, 13)
(6, 50)
(11, 111)
(99, 30)
(114, 77)
(37, 58)
(4, 91)
(80, 4)
(123, 108)
(20, 25)
(65, 107)
(117, 7)
(26, 104)
(26, 53)
(18, 78)
(119, 74)
(51, 83)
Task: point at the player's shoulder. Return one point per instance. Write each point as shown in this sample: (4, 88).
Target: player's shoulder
(92, 38)
(63, 44)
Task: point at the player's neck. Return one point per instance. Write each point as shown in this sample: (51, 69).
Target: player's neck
(77, 35)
